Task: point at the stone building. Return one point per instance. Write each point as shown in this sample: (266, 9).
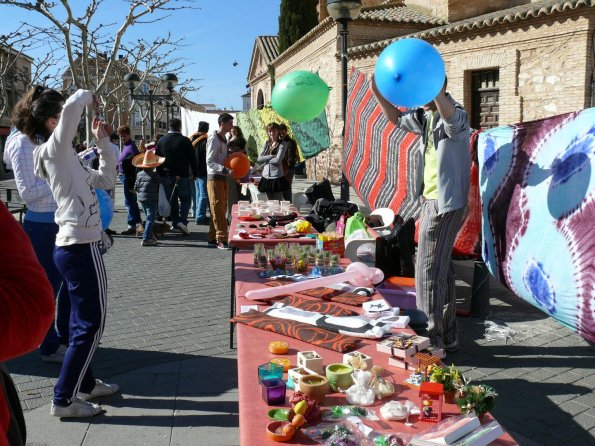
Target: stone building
(507, 61)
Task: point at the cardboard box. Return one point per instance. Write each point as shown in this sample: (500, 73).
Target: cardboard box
(403, 345)
(335, 246)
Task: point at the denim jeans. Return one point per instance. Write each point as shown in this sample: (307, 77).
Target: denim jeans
(131, 204)
(202, 198)
(43, 239)
(178, 190)
(150, 209)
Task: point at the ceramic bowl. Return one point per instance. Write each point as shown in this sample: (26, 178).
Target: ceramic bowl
(274, 431)
(315, 386)
(339, 376)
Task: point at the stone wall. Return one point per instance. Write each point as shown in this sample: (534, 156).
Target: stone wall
(454, 10)
(544, 67)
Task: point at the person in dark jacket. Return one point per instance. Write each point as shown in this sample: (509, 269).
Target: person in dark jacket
(147, 190)
(127, 177)
(291, 159)
(179, 161)
(199, 142)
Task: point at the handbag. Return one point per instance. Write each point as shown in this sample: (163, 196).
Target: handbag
(163, 206)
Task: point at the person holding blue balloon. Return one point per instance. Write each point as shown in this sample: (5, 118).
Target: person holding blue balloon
(77, 253)
(445, 171)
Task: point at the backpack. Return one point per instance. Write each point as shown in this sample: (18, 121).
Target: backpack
(326, 212)
(394, 252)
(319, 190)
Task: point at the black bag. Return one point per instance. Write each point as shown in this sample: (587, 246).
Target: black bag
(394, 252)
(319, 190)
(326, 212)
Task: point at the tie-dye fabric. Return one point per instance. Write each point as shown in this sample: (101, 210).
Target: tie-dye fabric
(537, 186)
(312, 136)
(254, 131)
(381, 161)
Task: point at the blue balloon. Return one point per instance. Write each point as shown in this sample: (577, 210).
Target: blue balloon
(106, 208)
(409, 73)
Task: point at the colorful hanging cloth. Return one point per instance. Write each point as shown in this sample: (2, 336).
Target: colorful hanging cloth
(537, 185)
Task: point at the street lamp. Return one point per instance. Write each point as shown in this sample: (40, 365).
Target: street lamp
(131, 80)
(343, 11)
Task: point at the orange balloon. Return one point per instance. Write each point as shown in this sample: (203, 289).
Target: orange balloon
(239, 163)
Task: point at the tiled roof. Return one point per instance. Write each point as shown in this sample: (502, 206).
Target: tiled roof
(511, 15)
(269, 45)
(397, 13)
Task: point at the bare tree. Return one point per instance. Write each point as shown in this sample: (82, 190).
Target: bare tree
(82, 38)
(18, 71)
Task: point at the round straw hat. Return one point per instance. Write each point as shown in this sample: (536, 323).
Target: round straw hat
(147, 160)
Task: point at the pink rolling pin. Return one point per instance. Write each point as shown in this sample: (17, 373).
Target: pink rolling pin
(357, 274)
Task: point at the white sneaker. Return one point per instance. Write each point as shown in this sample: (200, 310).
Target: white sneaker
(57, 357)
(78, 409)
(100, 389)
(182, 227)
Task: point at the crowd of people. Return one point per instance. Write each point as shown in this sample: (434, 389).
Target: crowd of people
(64, 226)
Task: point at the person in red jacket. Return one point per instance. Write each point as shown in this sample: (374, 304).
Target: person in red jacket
(26, 312)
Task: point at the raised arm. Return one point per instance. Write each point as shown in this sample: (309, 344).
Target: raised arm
(105, 177)
(60, 143)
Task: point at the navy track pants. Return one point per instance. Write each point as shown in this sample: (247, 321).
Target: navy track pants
(83, 270)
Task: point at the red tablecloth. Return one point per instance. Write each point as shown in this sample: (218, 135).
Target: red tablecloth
(235, 241)
(252, 346)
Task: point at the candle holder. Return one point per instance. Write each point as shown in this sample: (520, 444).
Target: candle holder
(270, 371)
(273, 391)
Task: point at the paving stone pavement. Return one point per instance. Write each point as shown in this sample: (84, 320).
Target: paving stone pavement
(166, 344)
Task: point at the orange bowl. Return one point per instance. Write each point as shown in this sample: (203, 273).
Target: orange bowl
(278, 347)
(239, 163)
(275, 431)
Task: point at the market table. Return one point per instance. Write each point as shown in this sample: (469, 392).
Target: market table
(236, 243)
(253, 351)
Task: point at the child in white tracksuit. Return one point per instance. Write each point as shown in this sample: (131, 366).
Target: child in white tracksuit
(77, 254)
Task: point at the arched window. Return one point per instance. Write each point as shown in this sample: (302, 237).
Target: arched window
(260, 100)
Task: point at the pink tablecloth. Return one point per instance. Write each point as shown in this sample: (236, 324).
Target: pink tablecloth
(235, 241)
(252, 347)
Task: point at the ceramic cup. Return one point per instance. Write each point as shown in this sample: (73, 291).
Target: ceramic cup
(339, 376)
(315, 386)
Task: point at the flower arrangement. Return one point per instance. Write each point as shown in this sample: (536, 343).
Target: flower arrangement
(479, 398)
(451, 378)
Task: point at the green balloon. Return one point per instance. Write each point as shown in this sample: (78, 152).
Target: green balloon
(300, 96)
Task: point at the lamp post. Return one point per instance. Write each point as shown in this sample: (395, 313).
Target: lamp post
(343, 11)
(131, 80)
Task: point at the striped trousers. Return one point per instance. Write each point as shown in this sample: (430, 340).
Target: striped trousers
(434, 273)
(83, 270)
(217, 190)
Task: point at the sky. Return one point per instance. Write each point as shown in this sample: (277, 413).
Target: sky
(217, 34)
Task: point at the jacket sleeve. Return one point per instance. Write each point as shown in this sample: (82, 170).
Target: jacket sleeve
(457, 124)
(26, 296)
(292, 155)
(212, 144)
(191, 156)
(280, 156)
(264, 158)
(412, 121)
(29, 186)
(60, 143)
(105, 177)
